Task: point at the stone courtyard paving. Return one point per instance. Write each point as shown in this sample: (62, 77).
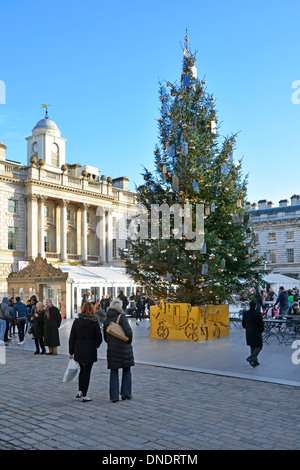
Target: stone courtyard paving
(171, 409)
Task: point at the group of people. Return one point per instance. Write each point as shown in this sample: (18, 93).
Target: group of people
(86, 337)
(134, 305)
(43, 321)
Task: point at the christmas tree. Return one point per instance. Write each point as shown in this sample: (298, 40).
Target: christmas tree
(195, 171)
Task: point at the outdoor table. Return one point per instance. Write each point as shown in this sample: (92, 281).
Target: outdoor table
(284, 328)
(273, 326)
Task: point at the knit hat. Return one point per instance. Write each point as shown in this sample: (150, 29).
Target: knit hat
(117, 305)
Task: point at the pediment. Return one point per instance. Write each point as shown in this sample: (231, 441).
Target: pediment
(39, 268)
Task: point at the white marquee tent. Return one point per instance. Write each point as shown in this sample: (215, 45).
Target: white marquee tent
(278, 280)
(99, 280)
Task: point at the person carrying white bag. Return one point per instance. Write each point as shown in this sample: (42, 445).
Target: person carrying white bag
(85, 338)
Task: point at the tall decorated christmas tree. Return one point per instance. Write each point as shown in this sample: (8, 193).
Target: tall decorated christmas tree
(198, 190)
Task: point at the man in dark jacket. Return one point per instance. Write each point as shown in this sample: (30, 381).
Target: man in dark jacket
(119, 353)
(4, 317)
(20, 315)
(283, 301)
(123, 299)
(254, 326)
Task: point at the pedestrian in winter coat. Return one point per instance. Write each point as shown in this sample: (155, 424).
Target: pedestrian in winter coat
(119, 353)
(20, 315)
(283, 302)
(253, 323)
(85, 338)
(37, 320)
(52, 321)
(4, 316)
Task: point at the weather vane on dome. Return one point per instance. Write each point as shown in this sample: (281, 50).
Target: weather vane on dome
(46, 106)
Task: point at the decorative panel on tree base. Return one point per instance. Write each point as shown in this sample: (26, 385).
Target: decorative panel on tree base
(183, 322)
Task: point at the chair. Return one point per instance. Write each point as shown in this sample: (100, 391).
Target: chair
(290, 332)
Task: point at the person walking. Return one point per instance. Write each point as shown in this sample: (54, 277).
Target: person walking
(37, 321)
(283, 302)
(20, 315)
(254, 325)
(119, 353)
(52, 321)
(139, 306)
(4, 317)
(85, 338)
(124, 300)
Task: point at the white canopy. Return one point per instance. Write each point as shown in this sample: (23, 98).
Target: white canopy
(278, 280)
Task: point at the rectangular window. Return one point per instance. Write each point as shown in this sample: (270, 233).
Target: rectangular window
(290, 255)
(47, 212)
(273, 256)
(12, 206)
(12, 238)
(290, 235)
(69, 243)
(89, 217)
(272, 237)
(89, 245)
(47, 242)
(114, 247)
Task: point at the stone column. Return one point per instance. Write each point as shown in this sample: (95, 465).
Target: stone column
(32, 224)
(63, 230)
(101, 234)
(109, 236)
(84, 255)
(57, 226)
(42, 225)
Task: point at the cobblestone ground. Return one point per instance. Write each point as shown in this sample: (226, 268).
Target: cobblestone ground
(170, 409)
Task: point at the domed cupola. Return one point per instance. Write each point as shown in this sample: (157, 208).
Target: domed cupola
(46, 143)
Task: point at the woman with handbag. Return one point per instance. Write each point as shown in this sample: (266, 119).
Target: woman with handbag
(119, 352)
(85, 338)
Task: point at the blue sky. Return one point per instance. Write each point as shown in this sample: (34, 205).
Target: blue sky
(98, 64)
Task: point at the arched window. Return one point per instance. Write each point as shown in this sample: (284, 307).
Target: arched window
(55, 155)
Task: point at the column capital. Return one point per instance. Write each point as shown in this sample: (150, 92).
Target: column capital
(64, 202)
(31, 197)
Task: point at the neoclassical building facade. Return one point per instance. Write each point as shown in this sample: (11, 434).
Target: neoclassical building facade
(64, 212)
(278, 234)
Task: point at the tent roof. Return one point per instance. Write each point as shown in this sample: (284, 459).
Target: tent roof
(281, 280)
(98, 274)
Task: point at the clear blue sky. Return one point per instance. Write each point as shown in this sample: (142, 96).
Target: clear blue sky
(98, 64)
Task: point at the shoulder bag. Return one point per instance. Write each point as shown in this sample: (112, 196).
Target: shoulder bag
(115, 329)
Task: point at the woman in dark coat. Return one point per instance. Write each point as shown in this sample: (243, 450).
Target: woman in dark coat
(52, 321)
(37, 321)
(254, 325)
(85, 338)
(119, 353)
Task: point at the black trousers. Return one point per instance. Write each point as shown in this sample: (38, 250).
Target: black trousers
(39, 343)
(255, 352)
(21, 328)
(84, 377)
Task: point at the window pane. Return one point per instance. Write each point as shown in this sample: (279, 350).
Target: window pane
(12, 206)
(47, 241)
(290, 255)
(69, 243)
(12, 238)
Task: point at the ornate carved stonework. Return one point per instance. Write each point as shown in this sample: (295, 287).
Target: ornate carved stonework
(39, 268)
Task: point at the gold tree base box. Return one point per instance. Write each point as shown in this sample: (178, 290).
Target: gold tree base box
(181, 321)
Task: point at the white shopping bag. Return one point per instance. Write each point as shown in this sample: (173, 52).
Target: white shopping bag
(72, 371)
